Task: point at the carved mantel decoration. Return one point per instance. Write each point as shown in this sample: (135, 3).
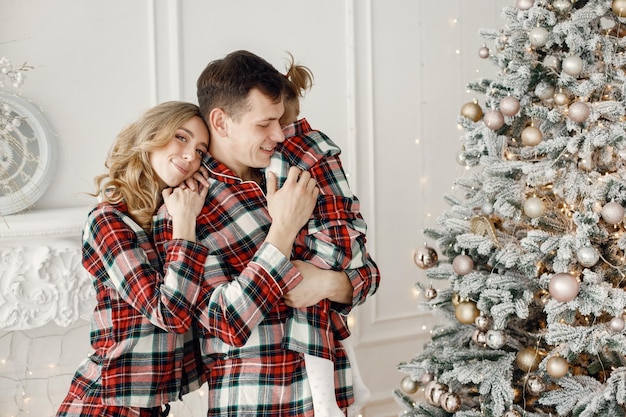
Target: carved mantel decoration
(41, 276)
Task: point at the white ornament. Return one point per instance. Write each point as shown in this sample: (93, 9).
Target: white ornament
(578, 111)
(613, 213)
(531, 136)
(462, 264)
(562, 6)
(538, 36)
(483, 52)
(534, 207)
(588, 256)
(493, 119)
(524, 4)
(495, 339)
(487, 209)
(572, 65)
(563, 287)
(509, 106)
(616, 325)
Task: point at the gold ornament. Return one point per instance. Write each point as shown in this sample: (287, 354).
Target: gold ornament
(531, 136)
(557, 366)
(472, 111)
(408, 385)
(528, 359)
(619, 7)
(466, 312)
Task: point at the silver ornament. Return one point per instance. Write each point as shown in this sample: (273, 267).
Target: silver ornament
(482, 323)
(562, 6)
(538, 36)
(509, 106)
(534, 207)
(587, 256)
(531, 136)
(572, 65)
(578, 111)
(483, 52)
(450, 402)
(524, 4)
(487, 208)
(408, 385)
(616, 325)
(495, 339)
(425, 257)
(493, 119)
(563, 287)
(430, 293)
(433, 391)
(535, 385)
(462, 264)
(479, 337)
(612, 213)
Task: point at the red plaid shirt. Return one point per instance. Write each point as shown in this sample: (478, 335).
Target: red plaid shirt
(243, 316)
(145, 354)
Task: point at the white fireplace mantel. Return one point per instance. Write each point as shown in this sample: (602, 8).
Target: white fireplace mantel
(41, 275)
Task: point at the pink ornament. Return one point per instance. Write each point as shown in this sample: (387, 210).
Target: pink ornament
(612, 212)
(578, 111)
(493, 119)
(483, 52)
(563, 287)
(509, 106)
(462, 264)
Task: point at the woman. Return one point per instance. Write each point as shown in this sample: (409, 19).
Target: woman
(143, 352)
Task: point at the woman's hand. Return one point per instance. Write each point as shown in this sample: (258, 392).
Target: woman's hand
(199, 179)
(184, 205)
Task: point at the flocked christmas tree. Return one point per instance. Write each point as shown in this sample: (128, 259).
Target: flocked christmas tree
(534, 243)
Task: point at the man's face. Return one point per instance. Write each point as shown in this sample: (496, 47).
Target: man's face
(252, 138)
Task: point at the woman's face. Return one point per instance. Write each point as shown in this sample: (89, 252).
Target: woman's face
(181, 157)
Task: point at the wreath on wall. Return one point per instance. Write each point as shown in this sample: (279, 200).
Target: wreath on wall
(27, 148)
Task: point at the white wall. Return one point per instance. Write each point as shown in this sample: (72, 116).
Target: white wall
(390, 80)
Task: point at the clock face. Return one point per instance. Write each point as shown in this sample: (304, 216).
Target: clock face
(27, 154)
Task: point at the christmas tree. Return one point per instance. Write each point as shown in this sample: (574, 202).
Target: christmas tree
(534, 243)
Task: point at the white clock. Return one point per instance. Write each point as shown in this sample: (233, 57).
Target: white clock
(27, 154)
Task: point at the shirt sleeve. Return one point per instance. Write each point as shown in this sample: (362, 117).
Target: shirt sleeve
(121, 256)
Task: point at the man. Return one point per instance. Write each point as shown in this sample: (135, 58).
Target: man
(252, 286)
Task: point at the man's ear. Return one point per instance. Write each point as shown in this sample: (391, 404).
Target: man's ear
(218, 121)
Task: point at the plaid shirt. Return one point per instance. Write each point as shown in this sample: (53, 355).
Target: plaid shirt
(333, 239)
(140, 330)
(243, 316)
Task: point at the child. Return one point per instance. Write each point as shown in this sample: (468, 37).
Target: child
(334, 239)
(143, 352)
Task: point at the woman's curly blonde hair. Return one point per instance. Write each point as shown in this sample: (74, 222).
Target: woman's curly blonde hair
(130, 176)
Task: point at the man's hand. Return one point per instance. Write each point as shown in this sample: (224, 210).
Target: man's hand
(318, 284)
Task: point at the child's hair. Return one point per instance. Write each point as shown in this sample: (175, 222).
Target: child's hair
(300, 80)
(130, 176)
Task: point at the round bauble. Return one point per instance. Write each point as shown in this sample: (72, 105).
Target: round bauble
(578, 112)
(535, 385)
(612, 212)
(466, 312)
(425, 257)
(509, 106)
(450, 402)
(534, 207)
(460, 158)
(462, 264)
(616, 325)
(587, 256)
(482, 323)
(426, 378)
(408, 385)
(550, 61)
(524, 4)
(572, 65)
(430, 293)
(557, 366)
(528, 359)
(472, 111)
(619, 7)
(538, 36)
(561, 99)
(483, 52)
(496, 339)
(531, 136)
(433, 391)
(511, 413)
(562, 6)
(479, 337)
(544, 91)
(487, 208)
(563, 287)
(493, 119)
